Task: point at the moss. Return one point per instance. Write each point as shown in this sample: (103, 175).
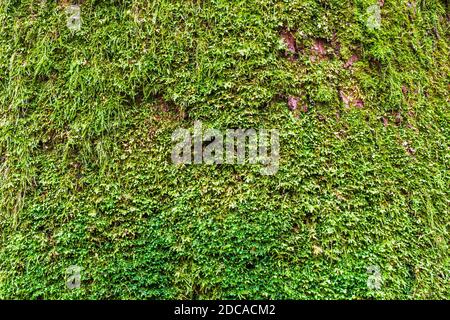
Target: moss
(85, 138)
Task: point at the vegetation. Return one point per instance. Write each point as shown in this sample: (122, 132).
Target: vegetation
(86, 178)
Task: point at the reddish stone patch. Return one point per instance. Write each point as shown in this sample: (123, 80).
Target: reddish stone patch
(318, 51)
(351, 61)
(289, 40)
(293, 103)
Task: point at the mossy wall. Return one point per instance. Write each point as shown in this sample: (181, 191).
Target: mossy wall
(86, 178)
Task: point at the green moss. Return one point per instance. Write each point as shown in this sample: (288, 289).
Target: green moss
(85, 138)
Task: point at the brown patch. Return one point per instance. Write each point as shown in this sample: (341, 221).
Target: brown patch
(436, 33)
(398, 118)
(385, 121)
(351, 61)
(167, 110)
(404, 90)
(318, 50)
(290, 42)
(359, 103)
(381, 3)
(374, 63)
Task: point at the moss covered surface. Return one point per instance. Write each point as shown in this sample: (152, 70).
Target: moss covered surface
(85, 139)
